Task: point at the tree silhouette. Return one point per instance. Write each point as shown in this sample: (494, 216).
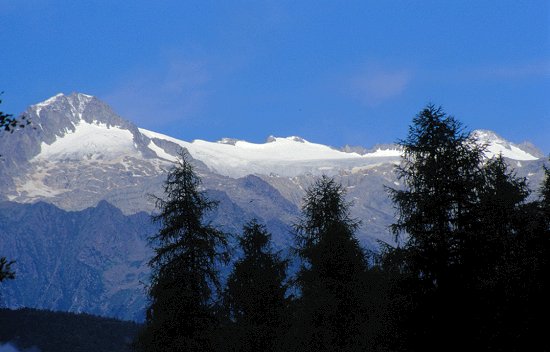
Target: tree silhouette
(533, 273)
(473, 263)
(184, 279)
(441, 169)
(332, 311)
(492, 257)
(256, 293)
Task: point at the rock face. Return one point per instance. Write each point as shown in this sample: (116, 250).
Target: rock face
(88, 261)
(76, 186)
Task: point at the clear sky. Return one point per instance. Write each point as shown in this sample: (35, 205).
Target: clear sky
(333, 72)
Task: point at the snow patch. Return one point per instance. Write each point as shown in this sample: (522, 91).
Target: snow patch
(381, 153)
(90, 141)
(160, 152)
(510, 152)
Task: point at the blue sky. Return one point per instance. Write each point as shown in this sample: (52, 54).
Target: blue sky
(333, 72)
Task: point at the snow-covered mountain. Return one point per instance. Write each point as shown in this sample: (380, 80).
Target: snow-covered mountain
(496, 145)
(290, 156)
(80, 145)
(79, 154)
(88, 131)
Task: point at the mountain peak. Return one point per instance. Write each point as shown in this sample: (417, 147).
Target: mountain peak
(77, 101)
(272, 139)
(496, 145)
(78, 125)
(66, 111)
(488, 136)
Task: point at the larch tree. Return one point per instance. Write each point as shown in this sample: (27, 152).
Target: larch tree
(474, 248)
(181, 314)
(255, 295)
(332, 309)
(441, 171)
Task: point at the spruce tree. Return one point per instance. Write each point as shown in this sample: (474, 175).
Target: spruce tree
(184, 279)
(256, 294)
(332, 311)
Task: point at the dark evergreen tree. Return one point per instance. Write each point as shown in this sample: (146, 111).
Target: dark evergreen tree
(493, 257)
(332, 311)
(184, 279)
(533, 286)
(441, 172)
(255, 296)
(473, 263)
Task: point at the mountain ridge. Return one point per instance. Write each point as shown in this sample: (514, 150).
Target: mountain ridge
(81, 152)
(80, 102)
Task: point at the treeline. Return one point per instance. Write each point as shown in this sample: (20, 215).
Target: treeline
(471, 271)
(47, 331)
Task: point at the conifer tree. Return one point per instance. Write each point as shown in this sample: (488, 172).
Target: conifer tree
(536, 270)
(441, 171)
(332, 310)
(180, 316)
(493, 257)
(256, 293)
(474, 257)
(498, 218)
(517, 287)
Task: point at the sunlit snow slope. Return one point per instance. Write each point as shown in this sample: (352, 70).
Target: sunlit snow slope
(93, 140)
(496, 145)
(288, 156)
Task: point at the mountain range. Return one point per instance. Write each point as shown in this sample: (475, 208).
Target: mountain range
(76, 204)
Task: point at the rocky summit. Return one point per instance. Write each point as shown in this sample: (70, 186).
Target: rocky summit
(76, 186)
